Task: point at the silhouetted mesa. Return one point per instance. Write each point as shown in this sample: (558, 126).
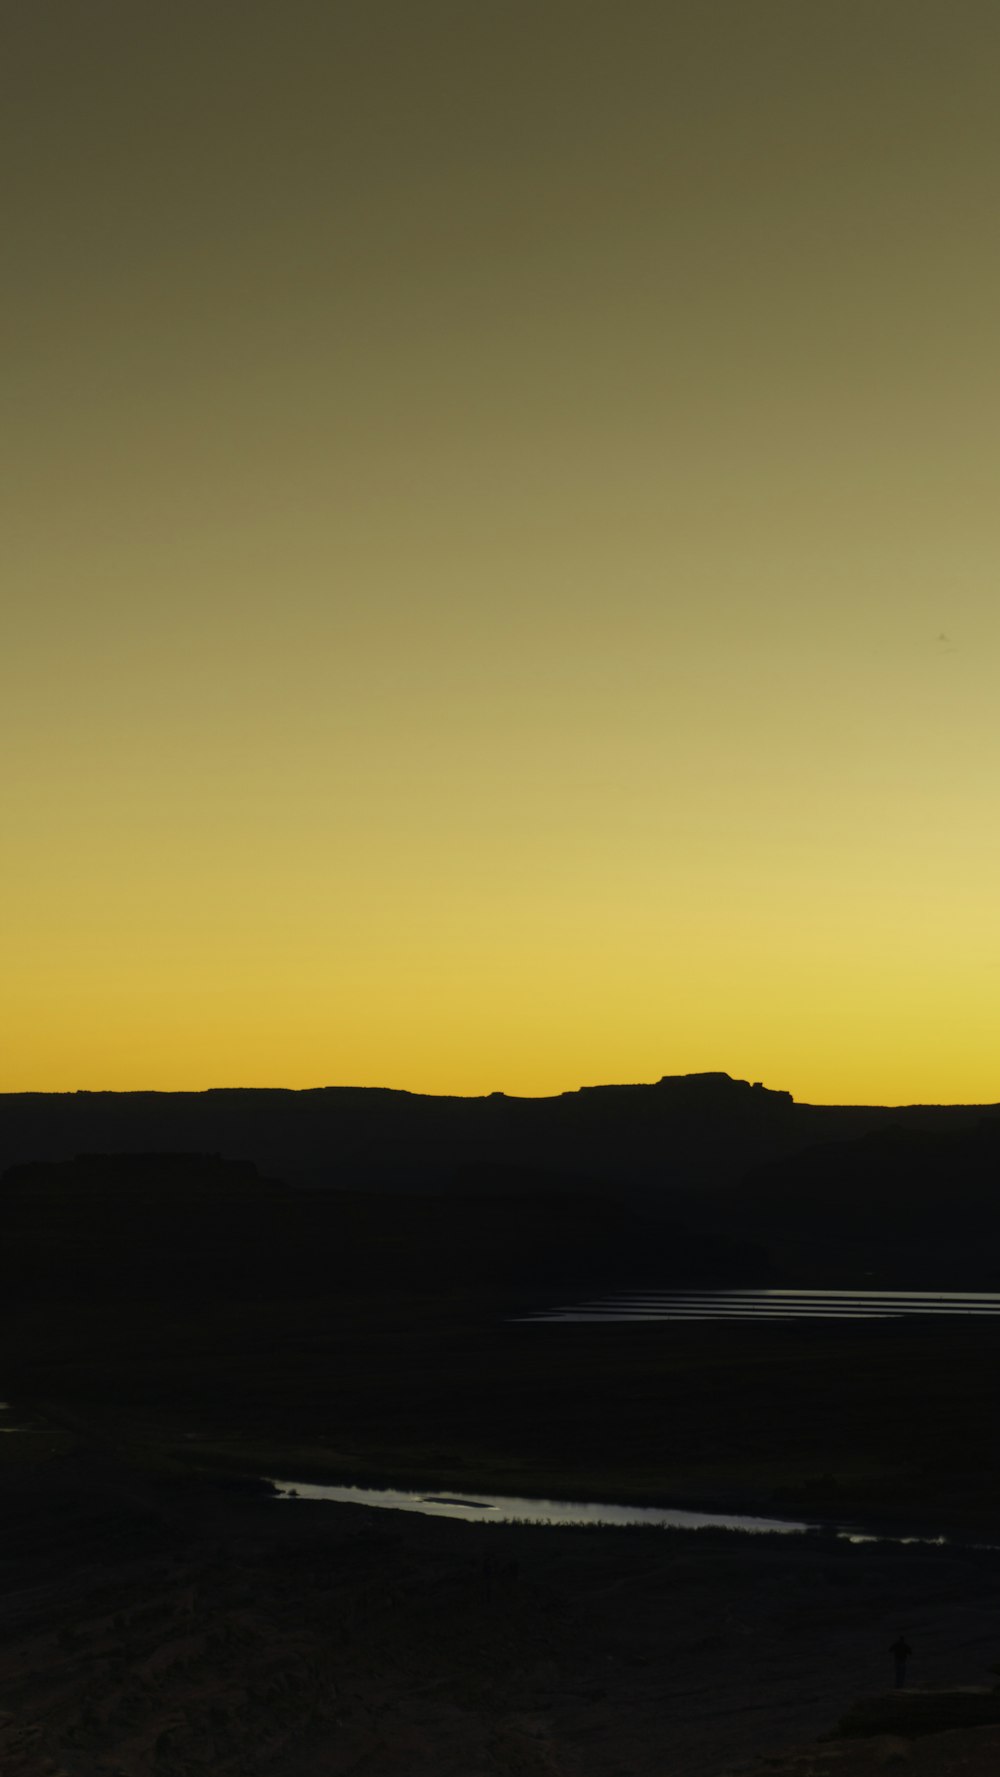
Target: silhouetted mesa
(646, 1140)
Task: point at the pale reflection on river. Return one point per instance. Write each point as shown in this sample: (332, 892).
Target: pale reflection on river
(742, 1306)
(499, 1508)
(774, 1305)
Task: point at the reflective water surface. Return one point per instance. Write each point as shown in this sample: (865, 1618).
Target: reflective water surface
(774, 1305)
(505, 1508)
(499, 1508)
(740, 1305)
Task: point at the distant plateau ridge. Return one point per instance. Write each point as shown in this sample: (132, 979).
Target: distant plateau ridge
(697, 1177)
(684, 1131)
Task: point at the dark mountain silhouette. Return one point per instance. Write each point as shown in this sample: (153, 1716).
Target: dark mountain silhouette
(698, 1178)
(192, 1227)
(646, 1141)
(917, 1206)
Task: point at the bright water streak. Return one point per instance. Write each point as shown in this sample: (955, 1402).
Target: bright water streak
(603, 1314)
(816, 1301)
(775, 1305)
(500, 1508)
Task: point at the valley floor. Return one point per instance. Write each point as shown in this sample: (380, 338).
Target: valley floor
(155, 1627)
(161, 1615)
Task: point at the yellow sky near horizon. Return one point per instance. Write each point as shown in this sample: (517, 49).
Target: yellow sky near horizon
(500, 546)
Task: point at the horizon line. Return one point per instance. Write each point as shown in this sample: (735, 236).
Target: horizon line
(501, 1093)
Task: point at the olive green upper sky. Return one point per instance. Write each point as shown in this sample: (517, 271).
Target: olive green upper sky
(500, 548)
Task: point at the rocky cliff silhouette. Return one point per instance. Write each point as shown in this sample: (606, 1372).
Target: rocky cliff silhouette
(704, 1130)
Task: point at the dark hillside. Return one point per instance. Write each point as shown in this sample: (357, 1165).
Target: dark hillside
(688, 1130)
(919, 1208)
(191, 1226)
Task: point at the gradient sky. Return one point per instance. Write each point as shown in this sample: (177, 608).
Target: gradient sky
(500, 544)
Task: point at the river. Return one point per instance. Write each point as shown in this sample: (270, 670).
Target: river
(774, 1305)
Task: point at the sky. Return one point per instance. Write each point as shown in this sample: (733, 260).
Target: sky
(500, 545)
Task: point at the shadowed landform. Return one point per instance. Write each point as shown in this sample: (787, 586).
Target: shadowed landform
(364, 1289)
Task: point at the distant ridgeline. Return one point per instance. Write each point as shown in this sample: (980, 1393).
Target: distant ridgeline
(689, 1129)
(699, 1178)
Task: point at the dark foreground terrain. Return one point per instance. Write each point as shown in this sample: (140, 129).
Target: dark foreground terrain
(162, 1614)
(156, 1627)
(173, 1328)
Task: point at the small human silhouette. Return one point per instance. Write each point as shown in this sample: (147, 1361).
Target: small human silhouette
(900, 1651)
